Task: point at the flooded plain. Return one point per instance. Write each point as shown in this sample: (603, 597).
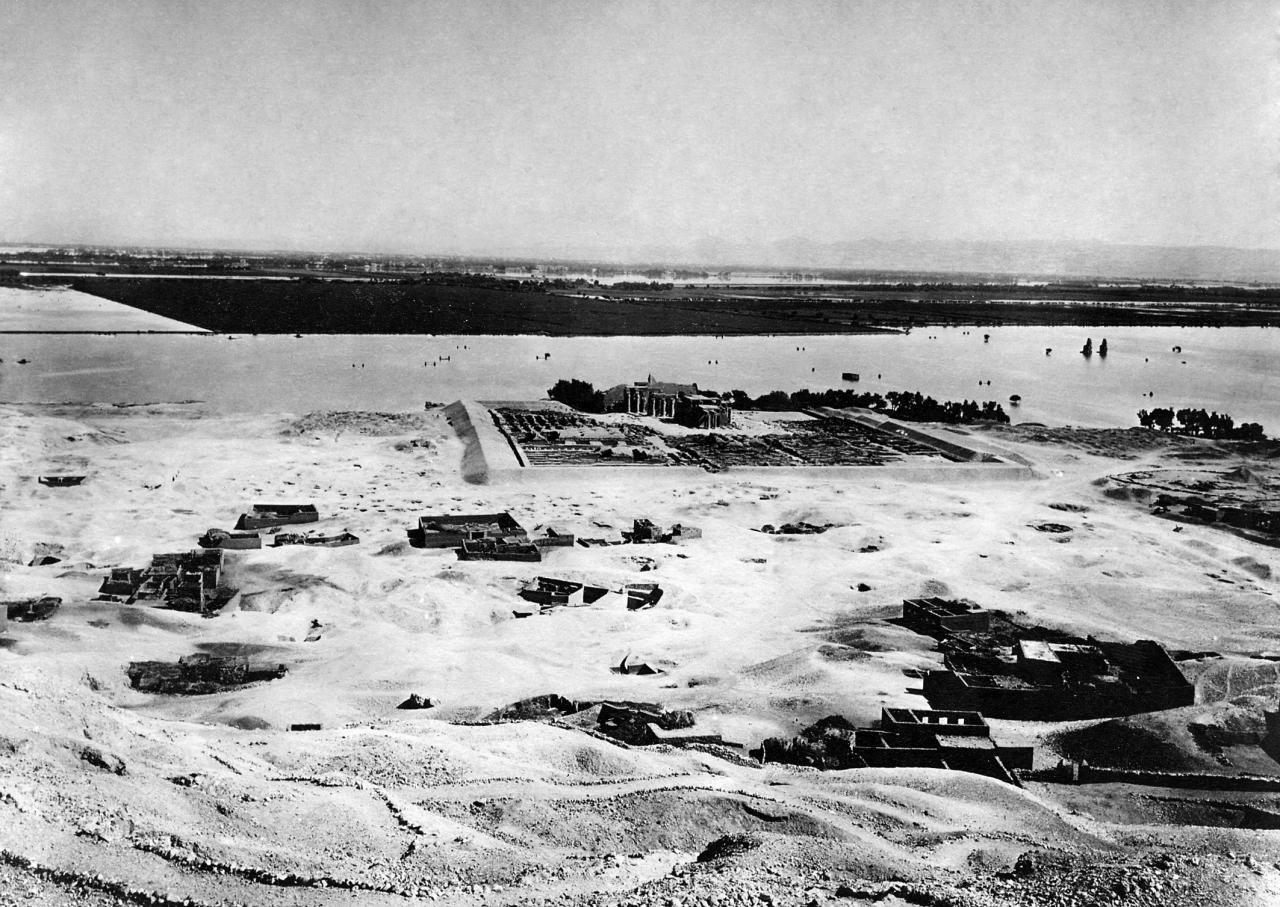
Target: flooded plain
(1225, 369)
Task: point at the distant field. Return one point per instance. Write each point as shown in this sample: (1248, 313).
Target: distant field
(343, 307)
(960, 303)
(359, 307)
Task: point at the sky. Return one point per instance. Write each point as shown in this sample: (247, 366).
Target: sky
(617, 128)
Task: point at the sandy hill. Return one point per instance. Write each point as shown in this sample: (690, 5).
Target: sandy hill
(112, 792)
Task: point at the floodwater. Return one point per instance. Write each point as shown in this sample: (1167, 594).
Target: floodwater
(1225, 369)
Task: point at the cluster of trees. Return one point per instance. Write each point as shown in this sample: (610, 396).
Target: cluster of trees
(641, 285)
(909, 405)
(492, 282)
(781, 401)
(916, 407)
(581, 395)
(1200, 424)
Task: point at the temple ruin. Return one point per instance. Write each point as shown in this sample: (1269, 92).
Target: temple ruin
(683, 404)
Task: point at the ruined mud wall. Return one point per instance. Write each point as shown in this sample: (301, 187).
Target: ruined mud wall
(1092, 774)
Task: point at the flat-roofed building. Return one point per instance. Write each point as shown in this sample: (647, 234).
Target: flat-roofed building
(263, 515)
(451, 530)
(940, 617)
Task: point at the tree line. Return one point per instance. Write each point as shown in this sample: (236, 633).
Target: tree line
(912, 406)
(1200, 424)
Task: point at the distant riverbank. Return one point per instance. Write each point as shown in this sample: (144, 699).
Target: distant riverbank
(432, 306)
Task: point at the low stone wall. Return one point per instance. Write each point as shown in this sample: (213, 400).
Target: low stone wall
(1093, 774)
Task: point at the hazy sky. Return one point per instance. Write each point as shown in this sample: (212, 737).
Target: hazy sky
(475, 126)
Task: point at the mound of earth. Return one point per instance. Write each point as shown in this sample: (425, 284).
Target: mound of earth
(1253, 566)
(1190, 739)
(1120, 443)
(1133, 743)
(1067, 507)
(1245, 476)
(1233, 677)
(364, 423)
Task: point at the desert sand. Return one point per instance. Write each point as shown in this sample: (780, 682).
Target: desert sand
(58, 308)
(108, 795)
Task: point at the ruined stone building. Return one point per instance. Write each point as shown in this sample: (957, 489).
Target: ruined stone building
(682, 403)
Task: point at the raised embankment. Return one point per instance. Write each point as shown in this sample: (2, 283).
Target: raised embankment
(483, 445)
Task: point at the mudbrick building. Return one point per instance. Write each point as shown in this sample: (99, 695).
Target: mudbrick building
(452, 530)
(264, 515)
(646, 724)
(939, 617)
(645, 531)
(485, 537)
(917, 738)
(315, 540)
(60, 481)
(1254, 518)
(28, 610)
(548, 593)
(499, 550)
(545, 594)
(221, 538)
(1034, 674)
(1261, 518)
(184, 581)
(198, 674)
